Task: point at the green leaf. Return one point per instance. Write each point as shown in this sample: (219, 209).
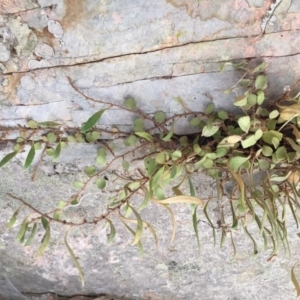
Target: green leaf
(236, 161)
(71, 139)
(130, 103)
(125, 165)
(167, 138)
(181, 199)
(56, 152)
(192, 190)
(101, 183)
(244, 123)
(22, 230)
(44, 222)
(209, 109)
(74, 259)
(130, 141)
(7, 158)
(90, 170)
(30, 157)
(261, 82)
(281, 153)
(294, 279)
(159, 116)
(252, 99)
(138, 125)
(240, 100)
(32, 234)
(13, 218)
(44, 243)
(267, 150)
(112, 233)
(78, 184)
(209, 131)
(139, 227)
(249, 141)
(92, 121)
(49, 124)
(49, 151)
(145, 135)
(156, 178)
(195, 226)
(260, 68)
(264, 164)
(176, 155)
(272, 137)
(160, 158)
(260, 97)
(208, 163)
(92, 136)
(274, 114)
(150, 166)
(244, 82)
(32, 124)
(101, 156)
(195, 121)
(61, 204)
(51, 137)
(222, 114)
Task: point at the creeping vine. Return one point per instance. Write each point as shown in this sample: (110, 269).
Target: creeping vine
(264, 136)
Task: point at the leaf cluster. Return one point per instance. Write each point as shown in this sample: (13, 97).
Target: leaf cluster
(263, 137)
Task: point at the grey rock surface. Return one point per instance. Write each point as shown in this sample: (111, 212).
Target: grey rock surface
(153, 51)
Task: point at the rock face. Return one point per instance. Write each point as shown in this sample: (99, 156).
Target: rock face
(153, 51)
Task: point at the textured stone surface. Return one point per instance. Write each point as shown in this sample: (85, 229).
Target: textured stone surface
(153, 51)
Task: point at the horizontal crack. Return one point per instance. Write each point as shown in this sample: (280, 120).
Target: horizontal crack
(157, 50)
(129, 54)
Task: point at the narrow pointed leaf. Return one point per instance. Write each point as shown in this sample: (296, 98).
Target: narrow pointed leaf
(92, 121)
(195, 226)
(45, 242)
(74, 259)
(169, 135)
(294, 279)
(22, 230)
(139, 227)
(7, 158)
(112, 233)
(13, 218)
(56, 152)
(145, 135)
(32, 234)
(30, 157)
(182, 199)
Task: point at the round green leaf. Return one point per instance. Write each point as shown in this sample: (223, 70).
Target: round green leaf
(263, 164)
(240, 100)
(260, 97)
(274, 114)
(195, 121)
(130, 103)
(236, 161)
(138, 125)
(130, 141)
(49, 151)
(101, 183)
(92, 136)
(209, 109)
(77, 184)
(252, 99)
(51, 137)
(32, 124)
(176, 154)
(249, 141)
(71, 139)
(208, 163)
(125, 165)
(159, 116)
(209, 131)
(244, 123)
(222, 114)
(261, 82)
(90, 170)
(160, 158)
